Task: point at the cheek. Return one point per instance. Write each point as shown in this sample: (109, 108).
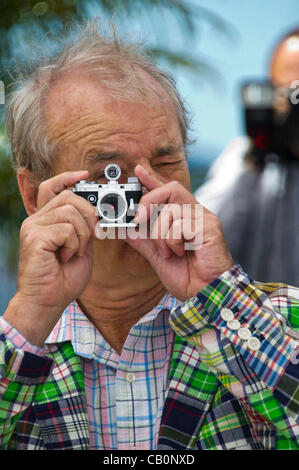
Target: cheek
(185, 179)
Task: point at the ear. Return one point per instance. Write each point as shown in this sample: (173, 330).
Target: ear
(28, 189)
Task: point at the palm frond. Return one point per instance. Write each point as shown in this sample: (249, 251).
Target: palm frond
(199, 66)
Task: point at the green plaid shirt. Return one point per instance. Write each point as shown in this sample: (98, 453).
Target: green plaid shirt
(233, 380)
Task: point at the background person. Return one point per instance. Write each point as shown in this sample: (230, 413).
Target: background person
(253, 186)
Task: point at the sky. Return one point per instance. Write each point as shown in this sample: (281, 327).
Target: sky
(217, 112)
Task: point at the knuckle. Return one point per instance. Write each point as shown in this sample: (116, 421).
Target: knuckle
(25, 223)
(28, 239)
(66, 194)
(25, 228)
(79, 202)
(43, 186)
(70, 209)
(174, 185)
(69, 229)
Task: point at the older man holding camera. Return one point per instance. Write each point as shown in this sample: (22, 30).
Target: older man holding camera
(132, 343)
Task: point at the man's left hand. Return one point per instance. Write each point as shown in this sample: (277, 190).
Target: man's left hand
(182, 220)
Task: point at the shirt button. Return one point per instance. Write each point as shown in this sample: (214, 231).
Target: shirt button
(226, 314)
(130, 377)
(295, 359)
(244, 333)
(253, 343)
(234, 324)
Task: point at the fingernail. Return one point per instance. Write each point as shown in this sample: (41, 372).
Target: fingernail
(142, 167)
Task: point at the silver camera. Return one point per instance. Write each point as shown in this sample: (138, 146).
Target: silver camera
(116, 203)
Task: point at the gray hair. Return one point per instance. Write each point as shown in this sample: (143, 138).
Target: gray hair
(119, 66)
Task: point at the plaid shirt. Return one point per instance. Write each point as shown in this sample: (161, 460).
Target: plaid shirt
(124, 395)
(220, 394)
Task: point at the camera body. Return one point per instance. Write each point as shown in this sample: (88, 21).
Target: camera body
(116, 204)
(271, 116)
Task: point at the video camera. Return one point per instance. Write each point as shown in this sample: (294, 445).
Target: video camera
(271, 117)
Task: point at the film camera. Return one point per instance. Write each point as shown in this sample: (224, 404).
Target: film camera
(271, 117)
(116, 203)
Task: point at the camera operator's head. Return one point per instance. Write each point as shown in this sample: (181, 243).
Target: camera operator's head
(271, 109)
(284, 71)
(284, 66)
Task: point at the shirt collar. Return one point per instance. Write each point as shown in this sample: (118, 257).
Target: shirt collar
(74, 326)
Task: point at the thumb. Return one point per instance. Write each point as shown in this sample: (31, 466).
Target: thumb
(148, 180)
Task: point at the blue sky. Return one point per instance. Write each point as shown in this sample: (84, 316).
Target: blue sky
(217, 110)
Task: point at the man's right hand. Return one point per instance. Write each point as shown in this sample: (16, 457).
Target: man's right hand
(56, 257)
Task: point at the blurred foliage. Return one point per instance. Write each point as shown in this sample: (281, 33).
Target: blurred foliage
(12, 211)
(24, 21)
(9, 195)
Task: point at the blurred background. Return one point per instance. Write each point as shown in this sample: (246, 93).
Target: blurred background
(210, 47)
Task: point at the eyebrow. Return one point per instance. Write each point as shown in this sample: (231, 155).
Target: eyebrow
(159, 152)
(105, 156)
(167, 150)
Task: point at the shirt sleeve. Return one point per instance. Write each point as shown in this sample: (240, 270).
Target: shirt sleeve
(247, 332)
(22, 368)
(18, 340)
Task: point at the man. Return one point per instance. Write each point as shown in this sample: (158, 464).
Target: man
(248, 183)
(132, 343)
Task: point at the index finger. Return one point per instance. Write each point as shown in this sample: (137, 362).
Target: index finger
(148, 180)
(50, 188)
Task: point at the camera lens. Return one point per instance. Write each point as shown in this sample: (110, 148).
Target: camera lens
(112, 207)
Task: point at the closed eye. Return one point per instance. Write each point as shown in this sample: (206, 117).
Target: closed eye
(157, 165)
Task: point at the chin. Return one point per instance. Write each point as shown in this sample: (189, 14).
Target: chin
(137, 261)
(118, 256)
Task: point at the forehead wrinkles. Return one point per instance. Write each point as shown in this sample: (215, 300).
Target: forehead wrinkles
(74, 129)
(104, 125)
(81, 114)
(109, 119)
